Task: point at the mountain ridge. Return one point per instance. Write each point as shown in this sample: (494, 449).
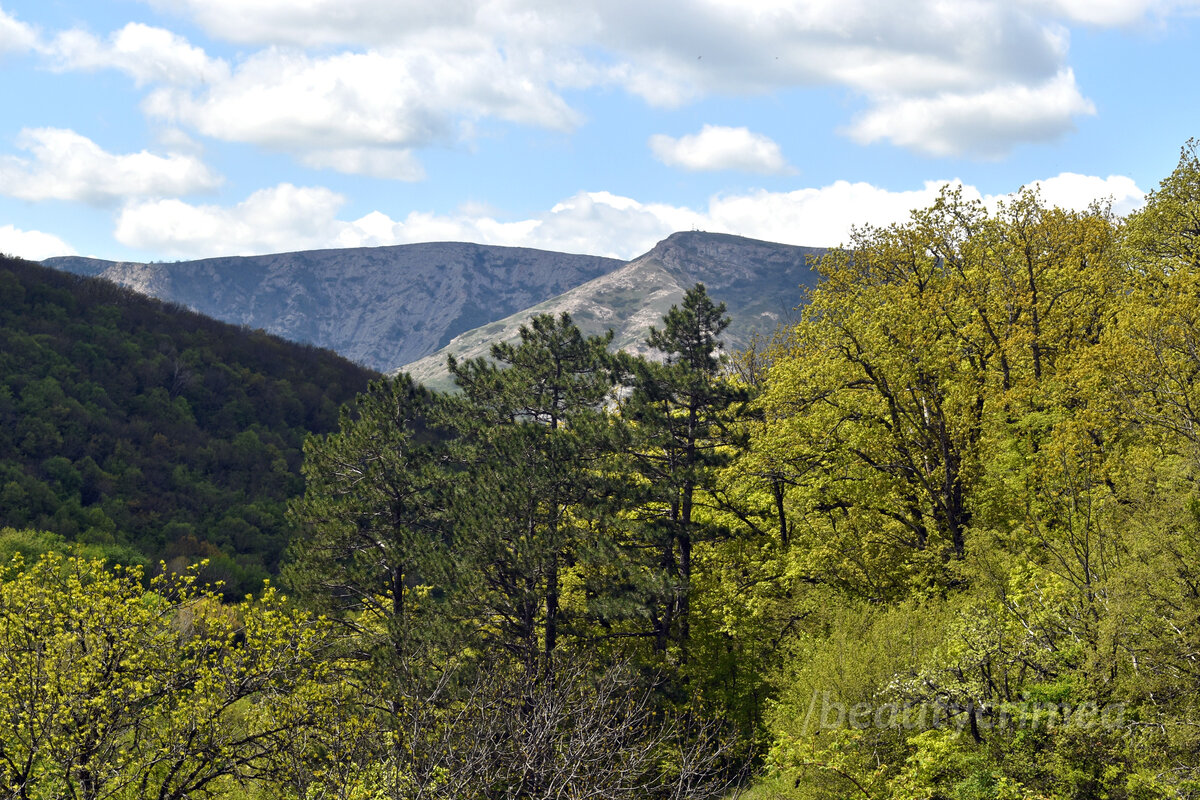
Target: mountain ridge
(406, 307)
(378, 306)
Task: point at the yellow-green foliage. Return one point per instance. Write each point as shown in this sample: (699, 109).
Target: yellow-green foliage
(987, 427)
(940, 539)
(112, 685)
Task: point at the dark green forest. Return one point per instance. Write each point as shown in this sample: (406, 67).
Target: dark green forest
(938, 539)
(150, 432)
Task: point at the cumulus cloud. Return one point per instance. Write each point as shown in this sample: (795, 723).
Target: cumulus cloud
(400, 97)
(928, 63)
(714, 45)
(147, 54)
(1110, 13)
(600, 223)
(63, 165)
(717, 147)
(356, 112)
(288, 217)
(33, 245)
(1071, 190)
(987, 124)
(281, 218)
(317, 22)
(15, 36)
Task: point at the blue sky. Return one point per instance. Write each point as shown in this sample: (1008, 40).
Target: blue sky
(166, 129)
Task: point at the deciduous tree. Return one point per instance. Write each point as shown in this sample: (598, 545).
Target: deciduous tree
(112, 690)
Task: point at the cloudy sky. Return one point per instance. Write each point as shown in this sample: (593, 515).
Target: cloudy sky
(165, 129)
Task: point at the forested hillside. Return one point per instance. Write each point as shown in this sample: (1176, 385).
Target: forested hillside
(151, 431)
(938, 539)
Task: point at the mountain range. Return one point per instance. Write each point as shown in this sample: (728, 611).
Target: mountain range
(406, 307)
(379, 306)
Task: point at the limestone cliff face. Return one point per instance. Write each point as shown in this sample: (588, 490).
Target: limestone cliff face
(380, 306)
(761, 283)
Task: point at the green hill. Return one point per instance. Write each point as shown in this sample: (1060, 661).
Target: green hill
(150, 430)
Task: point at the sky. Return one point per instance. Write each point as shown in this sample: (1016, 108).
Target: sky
(177, 129)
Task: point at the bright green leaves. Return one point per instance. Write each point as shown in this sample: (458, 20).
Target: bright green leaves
(1154, 352)
(926, 345)
(986, 420)
(112, 690)
(1165, 233)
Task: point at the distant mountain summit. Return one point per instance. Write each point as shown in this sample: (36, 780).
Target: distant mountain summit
(379, 306)
(761, 283)
(408, 306)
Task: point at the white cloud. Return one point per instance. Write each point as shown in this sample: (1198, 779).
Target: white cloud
(147, 54)
(67, 166)
(15, 36)
(33, 245)
(281, 218)
(717, 147)
(818, 217)
(931, 63)
(714, 45)
(1071, 190)
(1116, 13)
(318, 22)
(598, 223)
(402, 97)
(985, 124)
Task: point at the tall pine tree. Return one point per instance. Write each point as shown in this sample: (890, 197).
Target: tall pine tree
(678, 409)
(534, 436)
